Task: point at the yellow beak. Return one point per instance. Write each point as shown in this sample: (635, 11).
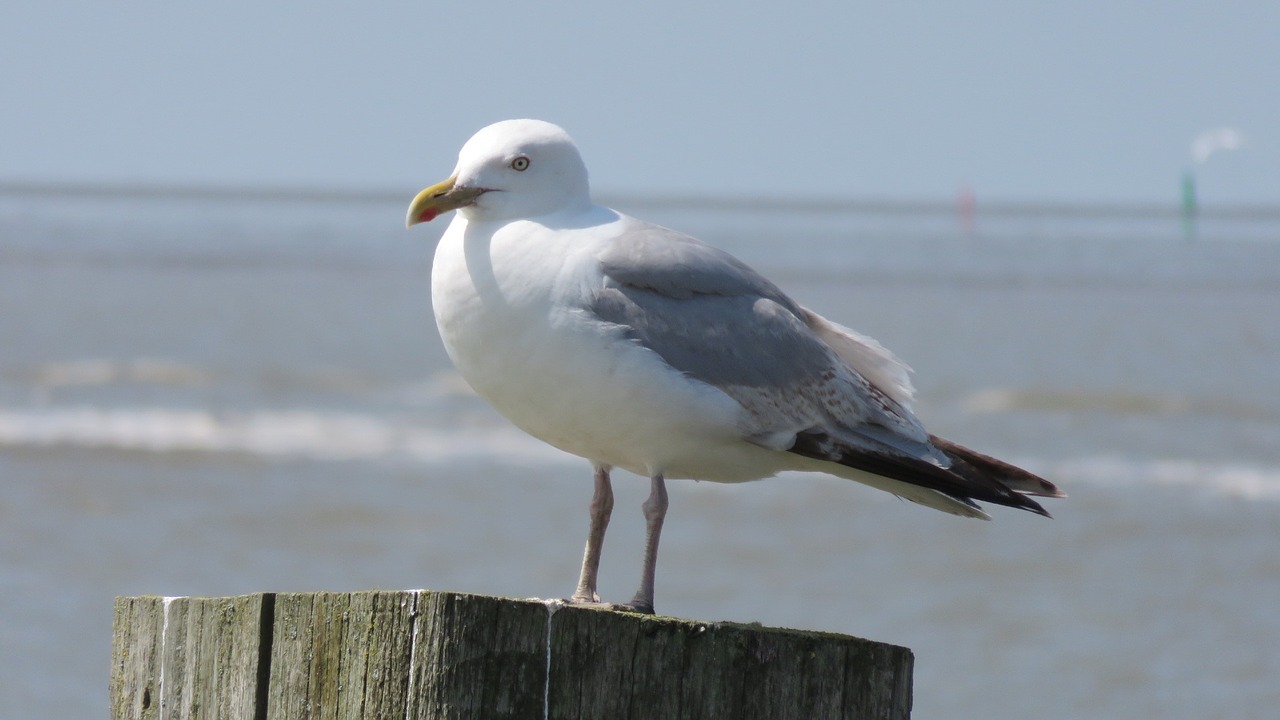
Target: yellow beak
(439, 199)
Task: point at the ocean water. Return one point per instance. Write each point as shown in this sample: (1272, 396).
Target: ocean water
(220, 396)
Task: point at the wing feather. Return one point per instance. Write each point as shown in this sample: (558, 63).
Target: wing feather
(806, 385)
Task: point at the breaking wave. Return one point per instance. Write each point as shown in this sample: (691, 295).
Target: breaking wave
(284, 434)
(1239, 480)
(996, 401)
(334, 436)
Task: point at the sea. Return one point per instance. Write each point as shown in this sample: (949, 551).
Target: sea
(230, 392)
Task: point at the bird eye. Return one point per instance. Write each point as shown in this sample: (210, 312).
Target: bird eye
(520, 164)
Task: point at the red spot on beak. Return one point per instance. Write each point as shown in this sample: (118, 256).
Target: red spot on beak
(427, 216)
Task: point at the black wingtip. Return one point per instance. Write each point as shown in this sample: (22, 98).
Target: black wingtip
(1036, 508)
(1010, 476)
(1017, 500)
(971, 475)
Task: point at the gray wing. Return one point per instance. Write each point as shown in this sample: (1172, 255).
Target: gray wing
(710, 316)
(677, 266)
(705, 312)
(724, 340)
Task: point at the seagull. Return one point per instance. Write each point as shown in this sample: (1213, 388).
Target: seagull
(641, 348)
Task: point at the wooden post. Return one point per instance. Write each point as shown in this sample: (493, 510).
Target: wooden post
(423, 654)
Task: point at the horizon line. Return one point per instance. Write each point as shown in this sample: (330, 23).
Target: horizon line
(823, 205)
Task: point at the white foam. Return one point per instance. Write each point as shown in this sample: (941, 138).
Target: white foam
(1233, 479)
(995, 401)
(356, 436)
(275, 433)
(152, 371)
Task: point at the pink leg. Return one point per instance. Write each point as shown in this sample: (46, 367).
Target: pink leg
(601, 509)
(655, 511)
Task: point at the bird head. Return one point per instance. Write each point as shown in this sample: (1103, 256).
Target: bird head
(508, 170)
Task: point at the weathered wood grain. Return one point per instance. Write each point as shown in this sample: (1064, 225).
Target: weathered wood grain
(629, 667)
(435, 656)
(186, 658)
(135, 657)
(480, 657)
(340, 655)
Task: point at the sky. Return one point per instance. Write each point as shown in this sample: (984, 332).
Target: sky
(1021, 101)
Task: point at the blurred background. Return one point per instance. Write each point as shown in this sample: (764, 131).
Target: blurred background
(219, 373)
